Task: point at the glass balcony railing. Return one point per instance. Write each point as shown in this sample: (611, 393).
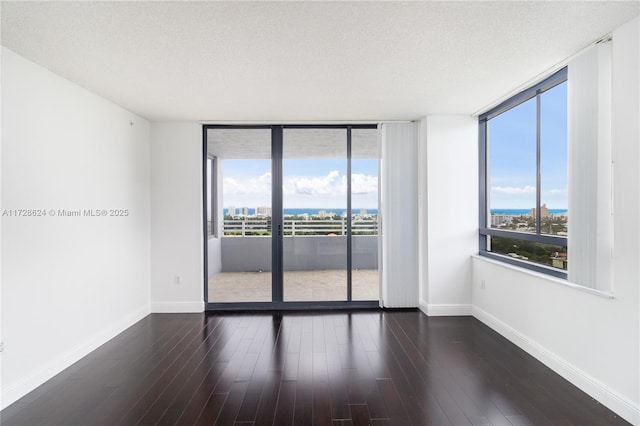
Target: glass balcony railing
(332, 227)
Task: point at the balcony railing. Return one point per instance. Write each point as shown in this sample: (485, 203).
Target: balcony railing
(256, 227)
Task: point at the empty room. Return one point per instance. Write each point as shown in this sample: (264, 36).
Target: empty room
(310, 213)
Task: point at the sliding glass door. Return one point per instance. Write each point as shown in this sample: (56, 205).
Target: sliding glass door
(314, 196)
(239, 258)
(297, 216)
(365, 165)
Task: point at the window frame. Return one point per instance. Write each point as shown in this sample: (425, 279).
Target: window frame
(485, 231)
(212, 230)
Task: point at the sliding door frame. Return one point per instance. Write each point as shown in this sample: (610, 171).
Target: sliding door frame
(277, 237)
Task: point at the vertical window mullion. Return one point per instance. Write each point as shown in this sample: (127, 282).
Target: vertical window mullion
(213, 193)
(349, 216)
(538, 156)
(277, 224)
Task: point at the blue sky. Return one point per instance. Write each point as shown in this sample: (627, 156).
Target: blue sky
(512, 153)
(308, 183)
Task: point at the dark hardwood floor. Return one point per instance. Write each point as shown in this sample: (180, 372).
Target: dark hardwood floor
(340, 368)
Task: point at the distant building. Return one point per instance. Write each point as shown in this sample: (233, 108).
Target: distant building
(544, 211)
(363, 212)
(263, 211)
(323, 214)
(244, 211)
(499, 219)
(559, 260)
(231, 211)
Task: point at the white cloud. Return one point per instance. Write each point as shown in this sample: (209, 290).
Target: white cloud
(363, 184)
(265, 178)
(513, 190)
(230, 185)
(558, 191)
(329, 185)
(259, 185)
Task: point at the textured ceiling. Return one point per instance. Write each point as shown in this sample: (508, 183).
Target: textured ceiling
(297, 143)
(304, 61)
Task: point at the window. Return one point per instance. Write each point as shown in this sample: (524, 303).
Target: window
(523, 178)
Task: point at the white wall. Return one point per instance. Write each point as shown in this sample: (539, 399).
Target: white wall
(176, 218)
(591, 340)
(451, 207)
(68, 283)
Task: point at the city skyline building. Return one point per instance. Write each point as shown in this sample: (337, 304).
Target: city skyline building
(263, 211)
(499, 219)
(544, 211)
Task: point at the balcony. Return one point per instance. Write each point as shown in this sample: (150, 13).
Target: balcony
(315, 260)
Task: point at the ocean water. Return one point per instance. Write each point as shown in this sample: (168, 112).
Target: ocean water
(312, 212)
(520, 212)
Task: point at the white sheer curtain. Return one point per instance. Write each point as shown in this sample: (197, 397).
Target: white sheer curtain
(590, 169)
(399, 213)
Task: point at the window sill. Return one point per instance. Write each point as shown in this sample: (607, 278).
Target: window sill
(549, 278)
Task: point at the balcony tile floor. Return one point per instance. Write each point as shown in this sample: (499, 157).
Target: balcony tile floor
(325, 285)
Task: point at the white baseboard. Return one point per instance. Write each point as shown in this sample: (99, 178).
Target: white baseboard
(12, 393)
(177, 307)
(617, 403)
(445, 310)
